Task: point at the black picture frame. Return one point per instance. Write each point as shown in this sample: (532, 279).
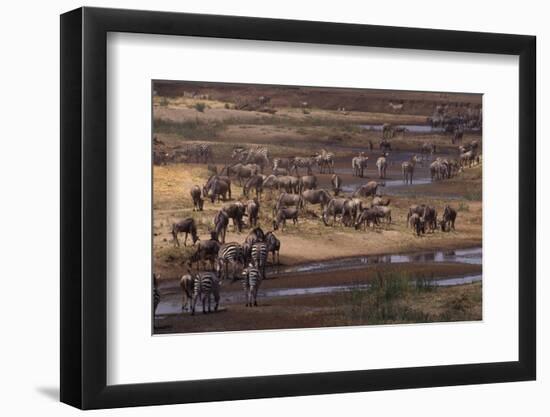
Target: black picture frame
(84, 207)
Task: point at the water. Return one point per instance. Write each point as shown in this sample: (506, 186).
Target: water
(171, 295)
(411, 128)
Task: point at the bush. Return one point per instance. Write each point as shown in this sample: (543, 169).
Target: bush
(199, 107)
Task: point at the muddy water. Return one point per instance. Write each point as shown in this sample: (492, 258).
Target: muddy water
(411, 128)
(171, 294)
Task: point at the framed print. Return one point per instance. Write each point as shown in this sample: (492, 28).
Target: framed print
(351, 207)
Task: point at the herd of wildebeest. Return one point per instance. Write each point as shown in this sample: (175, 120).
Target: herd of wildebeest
(291, 187)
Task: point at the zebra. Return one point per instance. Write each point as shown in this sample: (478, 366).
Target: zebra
(325, 161)
(259, 256)
(205, 285)
(187, 284)
(301, 162)
(273, 246)
(251, 279)
(156, 293)
(229, 253)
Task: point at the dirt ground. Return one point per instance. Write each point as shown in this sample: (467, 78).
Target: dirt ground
(293, 131)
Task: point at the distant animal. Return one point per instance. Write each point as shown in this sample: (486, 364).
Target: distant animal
(196, 195)
(358, 165)
(351, 211)
(387, 133)
(448, 220)
(229, 255)
(271, 182)
(320, 196)
(254, 183)
(283, 163)
(243, 172)
(417, 224)
(396, 107)
(187, 285)
(368, 189)
(235, 211)
(186, 226)
(382, 165)
(301, 162)
(336, 182)
(206, 285)
(273, 246)
(407, 168)
(251, 280)
(279, 171)
(307, 182)
(221, 221)
(325, 161)
(427, 149)
(252, 211)
(284, 214)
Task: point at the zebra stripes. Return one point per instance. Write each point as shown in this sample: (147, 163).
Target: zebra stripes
(205, 286)
(229, 254)
(251, 279)
(302, 162)
(258, 255)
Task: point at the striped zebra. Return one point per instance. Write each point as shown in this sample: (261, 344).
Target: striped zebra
(156, 293)
(206, 285)
(325, 161)
(258, 254)
(251, 279)
(302, 162)
(229, 254)
(281, 163)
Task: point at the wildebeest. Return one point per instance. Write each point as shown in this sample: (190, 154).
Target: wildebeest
(383, 212)
(252, 211)
(279, 171)
(221, 221)
(430, 218)
(380, 201)
(358, 165)
(367, 217)
(210, 181)
(219, 190)
(242, 171)
(336, 182)
(284, 214)
(351, 211)
(335, 207)
(387, 132)
(197, 198)
(448, 220)
(307, 182)
(206, 251)
(368, 189)
(235, 210)
(255, 235)
(385, 146)
(284, 163)
(415, 209)
(287, 200)
(417, 224)
(273, 246)
(288, 183)
(258, 156)
(185, 226)
(320, 196)
(382, 165)
(427, 149)
(256, 183)
(271, 182)
(407, 168)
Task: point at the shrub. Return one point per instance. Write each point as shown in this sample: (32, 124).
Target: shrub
(200, 107)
